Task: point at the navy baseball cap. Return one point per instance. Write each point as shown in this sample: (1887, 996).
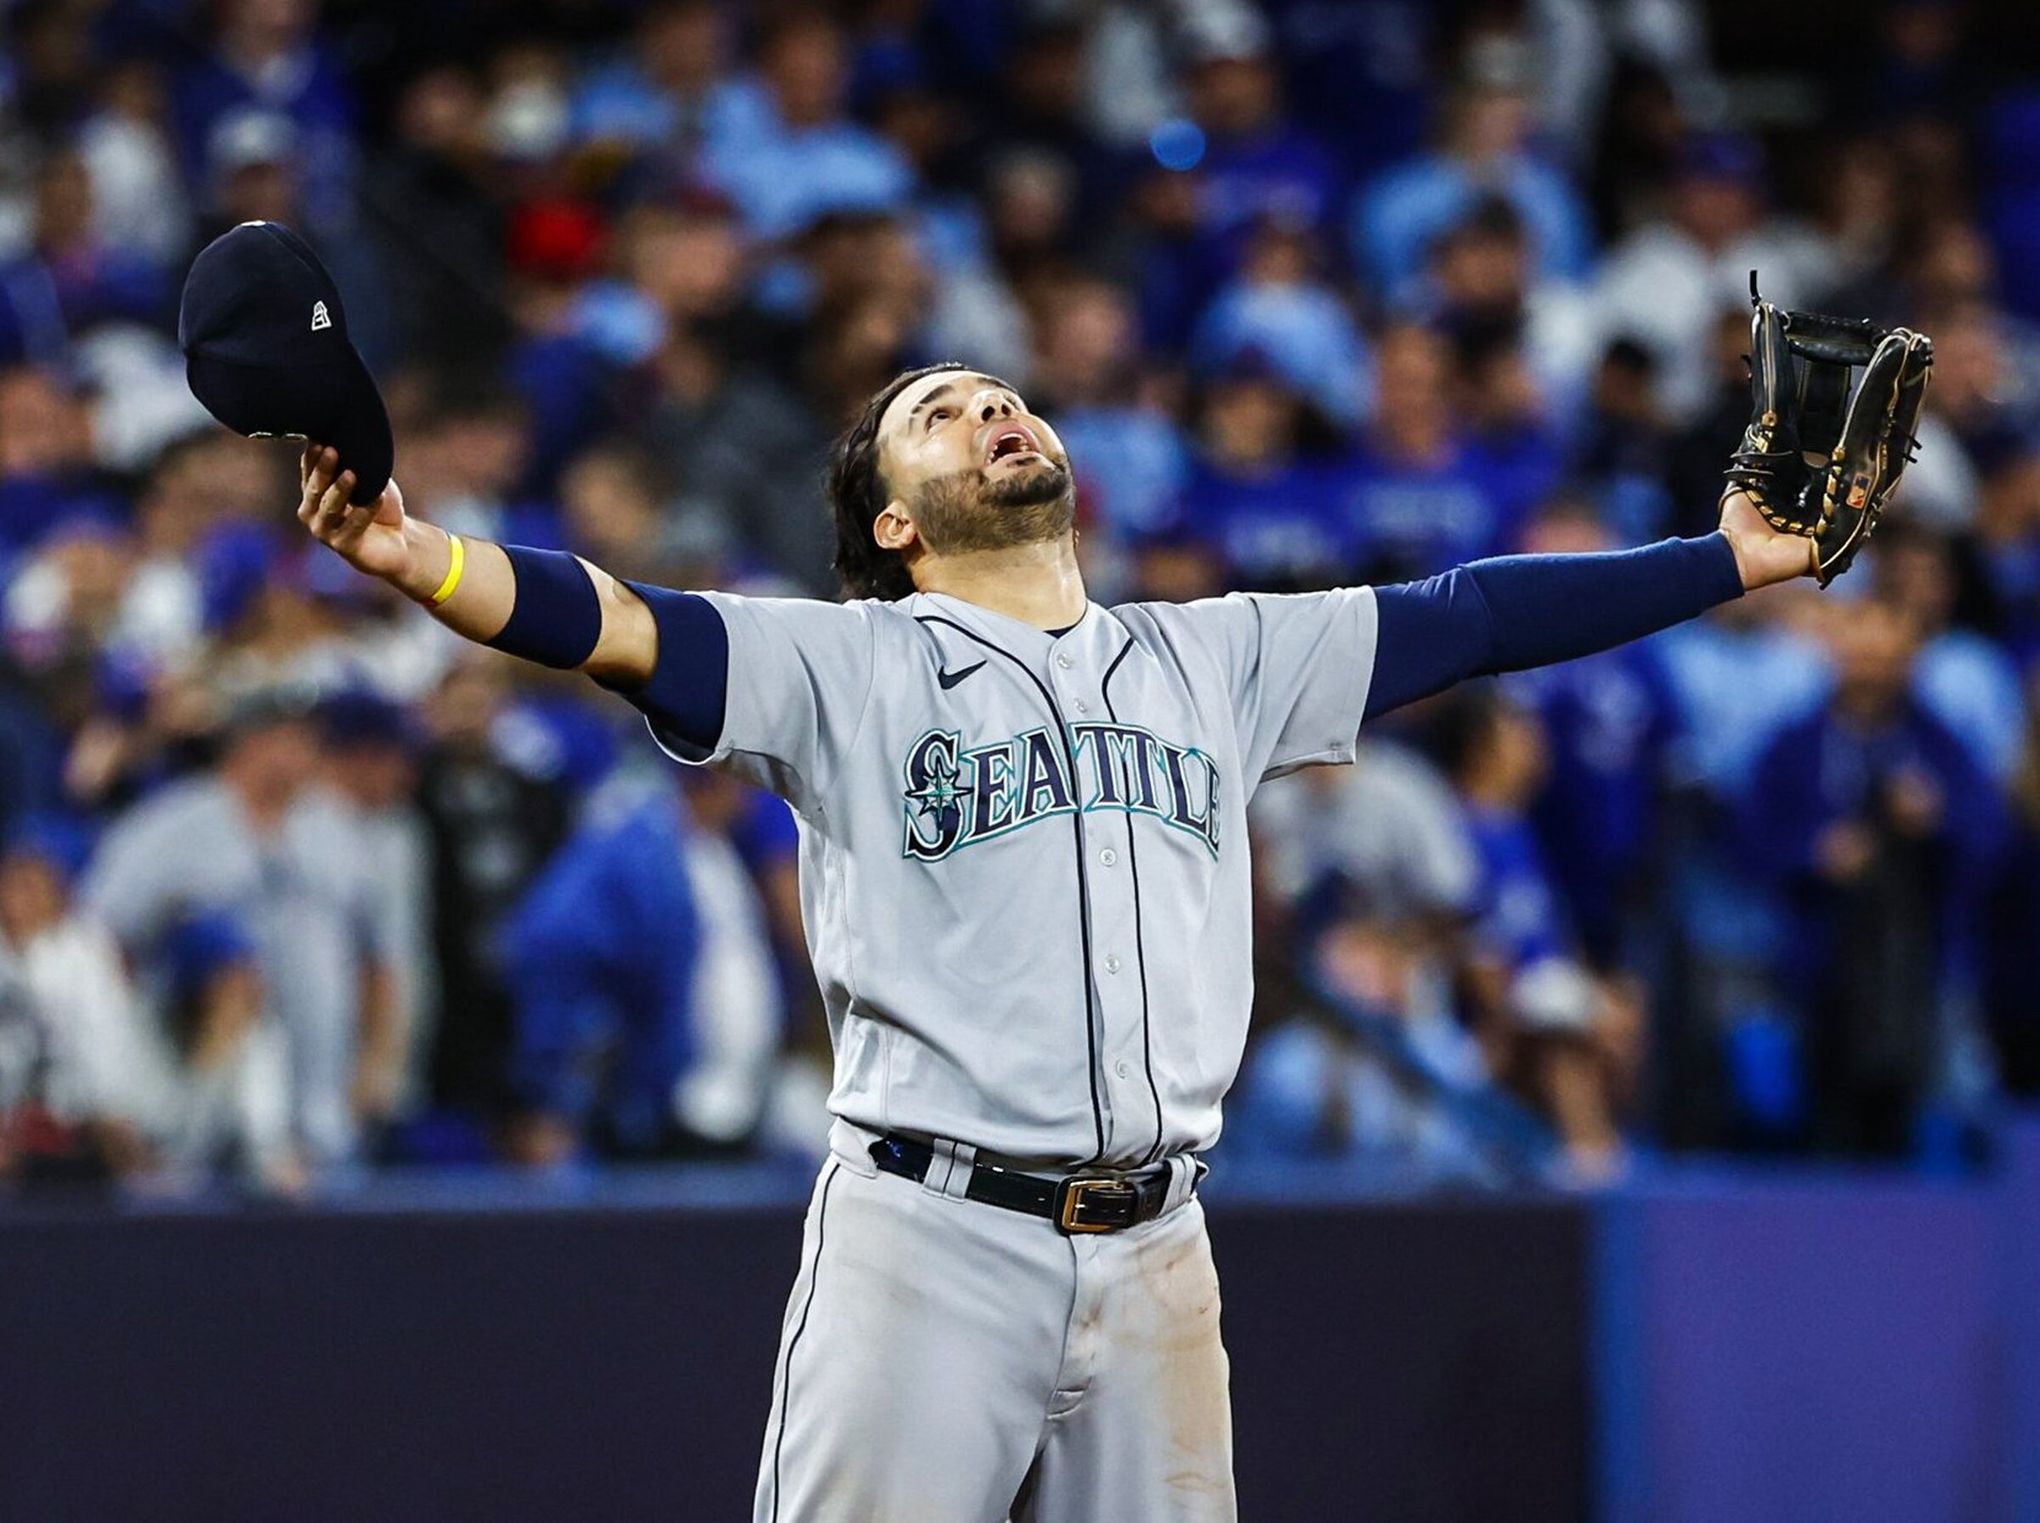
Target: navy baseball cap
(266, 350)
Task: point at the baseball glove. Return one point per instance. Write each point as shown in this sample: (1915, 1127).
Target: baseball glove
(1825, 449)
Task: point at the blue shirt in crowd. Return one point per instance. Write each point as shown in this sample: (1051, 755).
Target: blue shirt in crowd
(783, 178)
(1609, 720)
(1396, 219)
(1279, 527)
(1520, 920)
(600, 956)
(1424, 519)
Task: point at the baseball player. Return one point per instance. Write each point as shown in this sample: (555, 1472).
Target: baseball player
(1025, 882)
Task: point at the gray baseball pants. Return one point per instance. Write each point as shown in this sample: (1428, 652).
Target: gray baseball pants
(947, 1361)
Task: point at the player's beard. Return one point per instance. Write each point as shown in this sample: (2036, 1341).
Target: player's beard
(969, 510)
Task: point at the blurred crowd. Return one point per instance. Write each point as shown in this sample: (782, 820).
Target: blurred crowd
(294, 885)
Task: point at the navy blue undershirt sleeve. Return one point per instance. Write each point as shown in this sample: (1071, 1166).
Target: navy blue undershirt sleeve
(1518, 611)
(690, 683)
(556, 619)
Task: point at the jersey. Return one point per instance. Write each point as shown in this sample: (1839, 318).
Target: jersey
(1023, 856)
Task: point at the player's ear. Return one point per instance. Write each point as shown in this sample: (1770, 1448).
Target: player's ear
(893, 529)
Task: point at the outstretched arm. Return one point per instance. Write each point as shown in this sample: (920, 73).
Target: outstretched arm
(416, 558)
(1518, 611)
(808, 666)
(540, 604)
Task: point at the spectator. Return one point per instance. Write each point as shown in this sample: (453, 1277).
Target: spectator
(1256, 165)
(1280, 307)
(614, 515)
(2008, 536)
(60, 605)
(82, 1082)
(70, 282)
(1386, 829)
(1510, 440)
(196, 482)
(666, 90)
(626, 946)
(1381, 1071)
(1668, 282)
(469, 453)
(271, 628)
(138, 199)
(1415, 496)
(748, 448)
(371, 767)
(1878, 827)
(1357, 75)
(1570, 1042)
(790, 155)
(491, 826)
(1257, 485)
(1610, 723)
(741, 867)
(1484, 151)
(1479, 277)
(1741, 673)
(1859, 216)
(1041, 74)
(256, 847)
(251, 171)
(46, 470)
(1030, 217)
(266, 56)
(1118, 430)
(31, 749)
(1703, 442)
(1980, 422)
(682, 267)
(1622, 455)
(1960, 676)
(447, 294)
(50, 55)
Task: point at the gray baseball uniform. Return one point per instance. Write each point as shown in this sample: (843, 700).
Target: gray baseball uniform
(1027, 895)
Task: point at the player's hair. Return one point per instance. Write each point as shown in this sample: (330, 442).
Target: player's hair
(857, 495)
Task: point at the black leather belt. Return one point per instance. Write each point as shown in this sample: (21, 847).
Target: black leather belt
(1076, 1203)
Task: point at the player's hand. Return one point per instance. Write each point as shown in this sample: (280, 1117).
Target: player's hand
(370, 538)
(1763, 554)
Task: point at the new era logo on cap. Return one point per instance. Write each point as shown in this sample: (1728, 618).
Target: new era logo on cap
(319, 317)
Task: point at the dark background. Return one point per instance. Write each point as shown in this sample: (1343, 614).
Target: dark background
(617, 1364)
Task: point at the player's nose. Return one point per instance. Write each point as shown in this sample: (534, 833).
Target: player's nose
(995, 404)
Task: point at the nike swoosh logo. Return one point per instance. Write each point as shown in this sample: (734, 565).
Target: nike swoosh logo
(950, 679)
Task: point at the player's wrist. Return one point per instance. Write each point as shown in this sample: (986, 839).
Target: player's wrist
(428, 557)
(1763, 555)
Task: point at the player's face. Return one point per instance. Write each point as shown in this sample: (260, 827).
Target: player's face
(968, 467)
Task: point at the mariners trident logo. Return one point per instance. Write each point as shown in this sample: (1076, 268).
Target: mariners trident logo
(956, 798)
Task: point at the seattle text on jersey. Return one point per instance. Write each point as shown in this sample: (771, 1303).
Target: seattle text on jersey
(956, 798)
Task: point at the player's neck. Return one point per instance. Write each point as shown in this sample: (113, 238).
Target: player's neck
(1038, 584)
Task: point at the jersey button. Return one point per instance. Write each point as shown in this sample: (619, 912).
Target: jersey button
(1121, 1069)
(1083, 707)
(1108, 856)
(1062, 660)
(1112, 963)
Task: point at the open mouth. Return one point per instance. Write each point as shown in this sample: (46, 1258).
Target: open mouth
(1014, 440)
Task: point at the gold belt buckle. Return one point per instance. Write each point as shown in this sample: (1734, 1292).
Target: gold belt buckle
(1076, 1199)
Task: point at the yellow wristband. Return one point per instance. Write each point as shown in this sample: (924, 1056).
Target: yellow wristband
(454, 567)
